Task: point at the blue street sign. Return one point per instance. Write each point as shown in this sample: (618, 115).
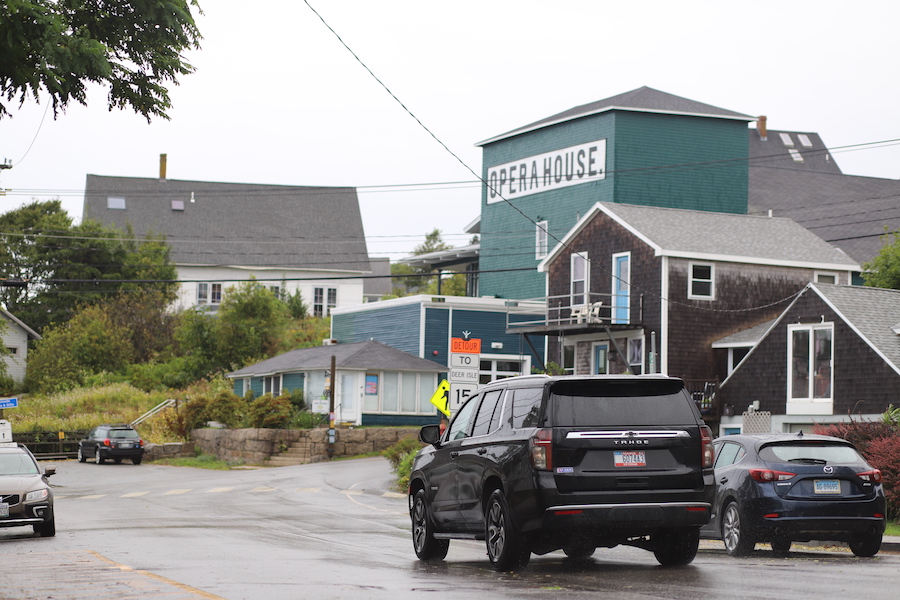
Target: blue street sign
(9, 403)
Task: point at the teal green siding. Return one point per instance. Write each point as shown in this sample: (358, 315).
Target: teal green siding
(651, 159)
(396, 326)
(437, 334)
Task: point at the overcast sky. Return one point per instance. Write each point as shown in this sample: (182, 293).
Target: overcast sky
(277, 99)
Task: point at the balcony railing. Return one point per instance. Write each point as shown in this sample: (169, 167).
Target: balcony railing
(570, 311)
(703, 391)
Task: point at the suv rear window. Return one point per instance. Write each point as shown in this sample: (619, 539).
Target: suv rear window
(122, 433)
(620, 403)
(809, 453)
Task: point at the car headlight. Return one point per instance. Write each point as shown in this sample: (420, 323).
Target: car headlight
(37, 495)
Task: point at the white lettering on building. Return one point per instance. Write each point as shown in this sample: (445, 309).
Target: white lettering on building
(547, 171)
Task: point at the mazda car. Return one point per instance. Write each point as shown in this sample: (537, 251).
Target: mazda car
(785, 488)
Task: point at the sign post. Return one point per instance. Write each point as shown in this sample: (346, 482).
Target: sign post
(465, 354)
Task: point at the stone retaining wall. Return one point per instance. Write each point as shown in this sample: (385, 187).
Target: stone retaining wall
(255, 446)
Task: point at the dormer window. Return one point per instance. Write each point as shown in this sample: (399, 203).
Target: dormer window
(115, 203)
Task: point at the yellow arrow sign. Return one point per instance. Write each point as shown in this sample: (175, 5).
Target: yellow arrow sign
(441, 397)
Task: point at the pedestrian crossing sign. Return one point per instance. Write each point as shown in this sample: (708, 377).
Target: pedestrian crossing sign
(441, 397)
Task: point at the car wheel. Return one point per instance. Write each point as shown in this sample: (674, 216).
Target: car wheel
(424, 542)
(118, 461)
(47, 528)
(735, 532)
(580, 551)
(868, 544)
(136, 460)
(81, 456)
(97, 458)
(506, 548)
(676, 547)
(781, 546)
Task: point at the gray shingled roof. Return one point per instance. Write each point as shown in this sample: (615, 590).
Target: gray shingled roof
(724, 236)
(237, 223)
(873, 312)
(643, 99)
(747, 337)
(774, 151)
(849, 211)
(360, 356)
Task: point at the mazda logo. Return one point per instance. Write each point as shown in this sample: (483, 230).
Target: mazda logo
(828, 470)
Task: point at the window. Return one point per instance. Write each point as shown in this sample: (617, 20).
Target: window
(786, 139)
(541, 242)
(526, 409)
(579, 278)
(823, 277)
(209, 293)
(115, 203)
(324, 299)
(492, 370)
(795, 154)
(202, 293)
(728, 454)
(272, 385)
(459, 428)
(488, 418)
(810, 352)
(621, 288)
(177, 204)
(735, 356)
(804, 139)
(12, 350)
(636, 356)
(276, 291)
(702, 284)
(568, 361)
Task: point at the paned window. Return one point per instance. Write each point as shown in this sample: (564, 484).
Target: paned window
(324, 299)
(541, 242)
(810, 348)
(702, 284)
(579, 278)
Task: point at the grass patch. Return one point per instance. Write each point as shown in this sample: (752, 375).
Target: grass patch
(204, 461)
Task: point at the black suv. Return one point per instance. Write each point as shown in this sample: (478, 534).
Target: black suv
(538, 463)
(113, 442)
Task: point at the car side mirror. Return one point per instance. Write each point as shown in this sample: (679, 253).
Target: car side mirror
(430, 434)
(49, 471)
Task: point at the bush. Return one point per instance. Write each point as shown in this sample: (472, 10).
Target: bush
(879, 443)
(401, 456)
(268, 412)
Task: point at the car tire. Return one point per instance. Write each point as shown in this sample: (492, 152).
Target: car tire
(424, 542)
(781, 546)
(735, 531)
(579, 551)
(81, 457)
(118, 461)
(506, 548)
(47, 528)
(97, 458)
(867, 544)
(136, 460)
(676, 547)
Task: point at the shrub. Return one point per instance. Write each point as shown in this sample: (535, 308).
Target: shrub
(401, 455)
(268, 412)
(884, 454)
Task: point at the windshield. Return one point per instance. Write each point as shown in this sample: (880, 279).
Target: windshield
(17, 464)
(809, 453)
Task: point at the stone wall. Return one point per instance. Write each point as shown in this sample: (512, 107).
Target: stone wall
(256, 446)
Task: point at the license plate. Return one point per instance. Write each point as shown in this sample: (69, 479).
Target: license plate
(4, 509)
(630, 458)
(125, 444)
(827, 486)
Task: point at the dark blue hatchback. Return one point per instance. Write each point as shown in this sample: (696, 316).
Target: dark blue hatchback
(785, 488)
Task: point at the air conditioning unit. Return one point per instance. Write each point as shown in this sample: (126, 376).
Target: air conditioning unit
(329, 342)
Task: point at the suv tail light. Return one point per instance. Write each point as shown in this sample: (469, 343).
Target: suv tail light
(767, 475)
(707, 451)
(874, 476)
(542, 450)
(107, 443)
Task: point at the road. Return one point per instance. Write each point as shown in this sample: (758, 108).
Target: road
(336, 531)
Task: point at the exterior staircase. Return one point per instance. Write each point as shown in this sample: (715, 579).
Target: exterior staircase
(298, 453)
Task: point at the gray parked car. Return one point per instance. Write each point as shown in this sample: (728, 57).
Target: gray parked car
(25, 494)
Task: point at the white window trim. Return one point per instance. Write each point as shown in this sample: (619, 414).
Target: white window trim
(835, 274)
(587, 279)
(712, 281)
(808, 406)
(541, 240)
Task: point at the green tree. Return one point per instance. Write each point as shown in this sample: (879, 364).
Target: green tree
(88, 344)
(883, 271)
(251, 322)
(133, 46)
(410, 280)
(67, 266)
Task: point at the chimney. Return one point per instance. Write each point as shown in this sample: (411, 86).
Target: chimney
(162, 167)
(761, 127)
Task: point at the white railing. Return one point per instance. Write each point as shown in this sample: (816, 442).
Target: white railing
(156, 409)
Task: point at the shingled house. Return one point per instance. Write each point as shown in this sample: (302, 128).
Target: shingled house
(288, 237)
(833, 353)
(649, 289)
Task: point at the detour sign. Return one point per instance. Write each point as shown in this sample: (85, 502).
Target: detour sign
(462, 346)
